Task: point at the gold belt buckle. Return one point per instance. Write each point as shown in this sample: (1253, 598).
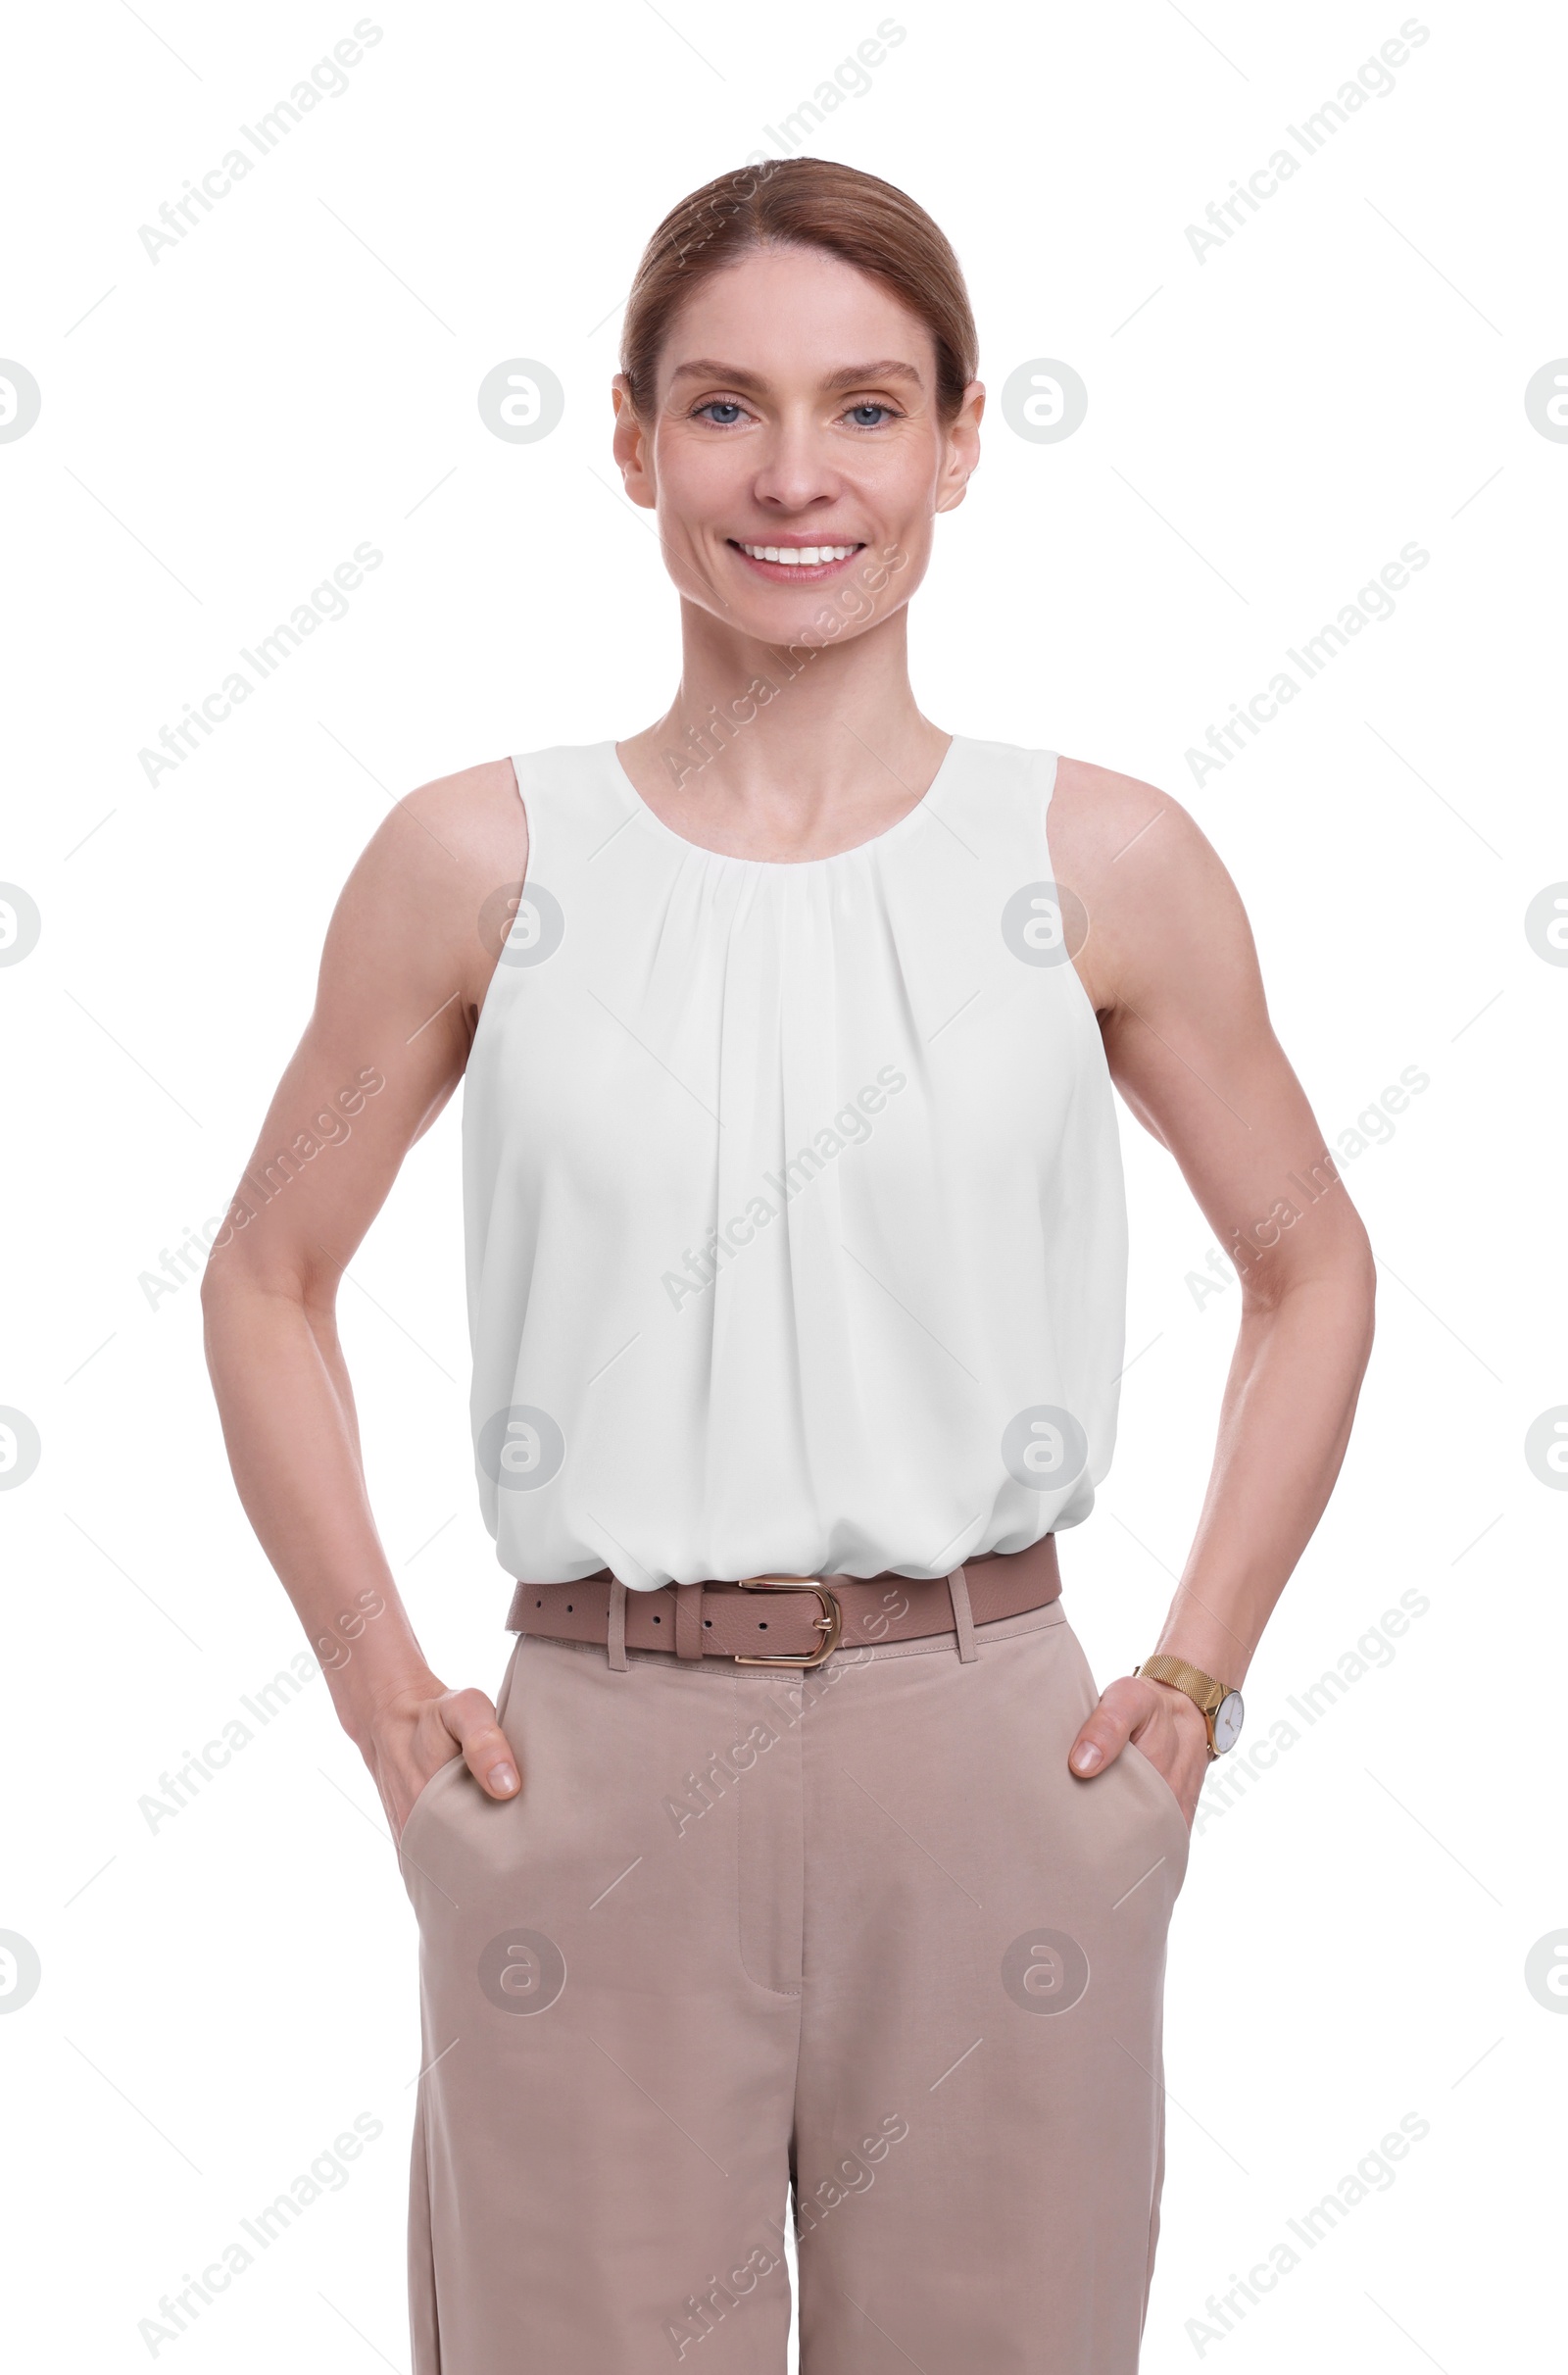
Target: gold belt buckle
(830, 1623)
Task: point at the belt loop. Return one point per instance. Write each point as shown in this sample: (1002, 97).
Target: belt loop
(617, 1650)
(963, 1614)
(688, 1619)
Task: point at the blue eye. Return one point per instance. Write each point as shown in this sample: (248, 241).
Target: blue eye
(721, 404)
(858, 412)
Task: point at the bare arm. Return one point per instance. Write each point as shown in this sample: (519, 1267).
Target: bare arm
(403, 973)
(1172, 971)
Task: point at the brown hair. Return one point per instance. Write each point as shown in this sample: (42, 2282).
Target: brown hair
(801, 202)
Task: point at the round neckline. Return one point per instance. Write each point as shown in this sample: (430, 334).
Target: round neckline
(783, 865)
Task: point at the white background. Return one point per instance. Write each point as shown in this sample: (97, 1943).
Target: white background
(1266, 428)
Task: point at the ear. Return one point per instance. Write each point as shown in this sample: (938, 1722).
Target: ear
(632, 446)
(962, 442)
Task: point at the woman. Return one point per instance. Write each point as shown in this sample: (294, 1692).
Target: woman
(800, 1850)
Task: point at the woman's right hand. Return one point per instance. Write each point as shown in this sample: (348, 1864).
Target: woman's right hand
(414, 1733)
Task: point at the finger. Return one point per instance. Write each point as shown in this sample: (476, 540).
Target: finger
(1098, 1743)
(486, 1750)
(1105, 1733)
(489, 1757)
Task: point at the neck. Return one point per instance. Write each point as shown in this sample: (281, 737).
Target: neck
(793, 732)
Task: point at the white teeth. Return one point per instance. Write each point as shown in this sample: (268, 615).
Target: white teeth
(800, 556)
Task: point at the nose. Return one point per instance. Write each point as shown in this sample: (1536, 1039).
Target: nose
(796, 472)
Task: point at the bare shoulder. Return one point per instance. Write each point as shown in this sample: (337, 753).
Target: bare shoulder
(1152, 884)
(472, 822)
(444, 857)
(1098, 818)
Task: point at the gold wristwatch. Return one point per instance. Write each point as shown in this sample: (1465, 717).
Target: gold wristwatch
(1221, 1707)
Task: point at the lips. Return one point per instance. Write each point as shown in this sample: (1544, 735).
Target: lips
(797, 558)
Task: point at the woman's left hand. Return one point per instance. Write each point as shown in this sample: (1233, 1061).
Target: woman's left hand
(1166, 1725)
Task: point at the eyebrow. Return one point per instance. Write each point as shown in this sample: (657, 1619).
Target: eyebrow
(855, 374)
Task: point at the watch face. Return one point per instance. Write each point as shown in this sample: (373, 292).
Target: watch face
(1228, 1721)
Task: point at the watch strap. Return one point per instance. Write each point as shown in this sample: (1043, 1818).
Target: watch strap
(1199, 1687)
(1202, 1689)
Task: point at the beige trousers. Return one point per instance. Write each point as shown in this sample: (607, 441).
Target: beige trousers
(859, 1933)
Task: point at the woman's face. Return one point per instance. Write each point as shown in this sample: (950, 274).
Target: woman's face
(795, 411)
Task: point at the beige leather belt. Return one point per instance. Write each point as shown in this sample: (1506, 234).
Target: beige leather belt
(789, 1620)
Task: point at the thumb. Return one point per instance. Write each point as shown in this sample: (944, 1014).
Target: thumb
(486, 1751)
(1104, 1735)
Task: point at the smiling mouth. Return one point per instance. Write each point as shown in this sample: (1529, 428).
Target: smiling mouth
(796, 555)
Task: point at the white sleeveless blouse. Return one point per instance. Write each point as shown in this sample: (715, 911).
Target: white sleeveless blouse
(795, 1233)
